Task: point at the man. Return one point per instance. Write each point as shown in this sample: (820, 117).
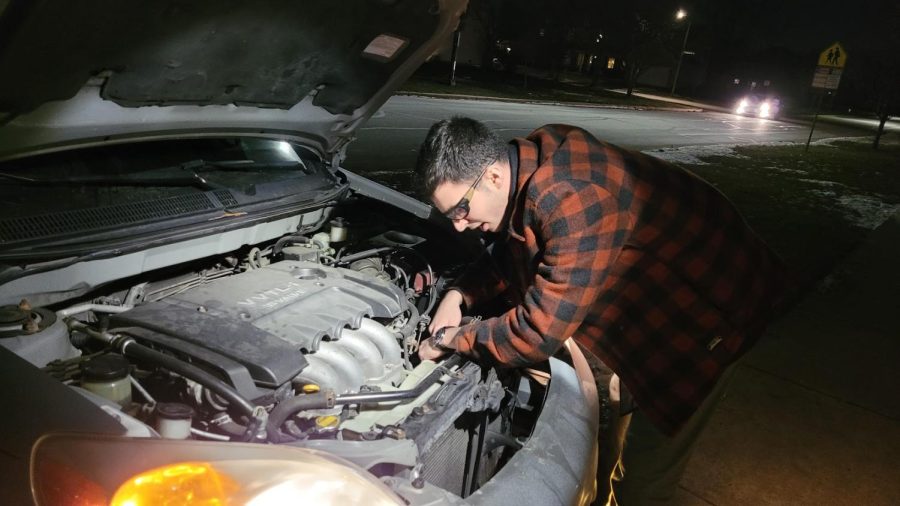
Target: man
(644, 264)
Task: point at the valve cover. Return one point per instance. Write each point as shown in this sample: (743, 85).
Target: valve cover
(255, 326)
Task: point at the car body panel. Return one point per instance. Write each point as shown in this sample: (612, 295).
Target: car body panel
(234, 62)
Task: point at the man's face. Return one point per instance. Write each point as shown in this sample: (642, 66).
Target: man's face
(486, 204)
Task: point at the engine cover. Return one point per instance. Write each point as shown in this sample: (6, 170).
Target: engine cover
(254, 327)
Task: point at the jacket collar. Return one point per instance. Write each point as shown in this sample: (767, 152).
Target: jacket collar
(527, 165)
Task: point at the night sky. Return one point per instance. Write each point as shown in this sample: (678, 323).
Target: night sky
(802, 26)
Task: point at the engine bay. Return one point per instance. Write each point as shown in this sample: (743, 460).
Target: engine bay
(309, 340)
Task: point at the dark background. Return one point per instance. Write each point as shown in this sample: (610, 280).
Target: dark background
(771, 42)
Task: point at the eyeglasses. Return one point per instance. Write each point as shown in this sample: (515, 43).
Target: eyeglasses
(461, 209)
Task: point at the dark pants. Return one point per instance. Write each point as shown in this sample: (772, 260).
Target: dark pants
(638, 464)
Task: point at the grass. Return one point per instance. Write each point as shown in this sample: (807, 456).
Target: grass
(810, 207)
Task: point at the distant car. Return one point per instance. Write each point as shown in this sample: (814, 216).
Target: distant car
(758, 107)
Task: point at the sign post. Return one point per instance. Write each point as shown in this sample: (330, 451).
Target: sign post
(827, 77)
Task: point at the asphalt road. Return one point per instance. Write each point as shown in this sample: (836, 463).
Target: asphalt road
(387, 145)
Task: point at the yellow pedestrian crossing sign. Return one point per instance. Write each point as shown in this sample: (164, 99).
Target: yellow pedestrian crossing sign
(834, 56)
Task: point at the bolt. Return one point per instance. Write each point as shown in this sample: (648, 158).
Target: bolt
(418, 481)
(24, 305)
(394, 432)
(30, 326)
(417, 412)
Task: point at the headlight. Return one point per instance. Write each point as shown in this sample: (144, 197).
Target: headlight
(253, 483)
(88, 470)
(764, 110)
(742, 106)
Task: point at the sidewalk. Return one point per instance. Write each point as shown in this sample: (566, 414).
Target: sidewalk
(673, 100)
(813, 414)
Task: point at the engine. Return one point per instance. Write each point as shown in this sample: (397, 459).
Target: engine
(289, 322)
(291, 342)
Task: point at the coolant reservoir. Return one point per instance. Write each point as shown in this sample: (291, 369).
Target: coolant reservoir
(338, 231)
(173, 420)
(107, 376)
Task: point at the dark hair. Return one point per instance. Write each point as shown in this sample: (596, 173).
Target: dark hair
(456, 150)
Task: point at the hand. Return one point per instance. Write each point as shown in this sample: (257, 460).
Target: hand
(448, 313)
(429, 352)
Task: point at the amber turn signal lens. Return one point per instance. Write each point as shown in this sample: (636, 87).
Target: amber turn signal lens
(188, 483)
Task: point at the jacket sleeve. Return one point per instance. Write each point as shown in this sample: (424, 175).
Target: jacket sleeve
(480, 282)
(582, 229)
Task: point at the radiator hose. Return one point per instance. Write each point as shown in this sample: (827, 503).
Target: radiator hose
(285, 409)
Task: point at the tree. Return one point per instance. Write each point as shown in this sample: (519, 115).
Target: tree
(873, 66)
(651, 52)
(642, 38)
(547, 30)
(886, 95)
(486, 14)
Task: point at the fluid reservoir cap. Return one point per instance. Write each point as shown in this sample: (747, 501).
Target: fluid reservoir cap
(327, 422)
(174, 411)
(109, 367)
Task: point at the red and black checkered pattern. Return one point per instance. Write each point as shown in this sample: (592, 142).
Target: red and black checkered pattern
(642, 262)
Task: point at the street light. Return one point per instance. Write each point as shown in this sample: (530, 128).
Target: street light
(681, 14)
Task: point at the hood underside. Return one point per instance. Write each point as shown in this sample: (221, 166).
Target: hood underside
(340, 57)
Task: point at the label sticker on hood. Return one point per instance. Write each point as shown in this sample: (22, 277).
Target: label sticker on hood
(385, 47)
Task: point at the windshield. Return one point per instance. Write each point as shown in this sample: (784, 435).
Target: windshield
(150, 171)
(121, 190)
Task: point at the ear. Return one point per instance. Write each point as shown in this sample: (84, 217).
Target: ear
(496, 174)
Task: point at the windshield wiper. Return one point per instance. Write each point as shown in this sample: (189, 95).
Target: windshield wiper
(246, 165)
(184, 174)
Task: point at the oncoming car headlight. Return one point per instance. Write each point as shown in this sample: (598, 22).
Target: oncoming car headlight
(742, 106)
(88, 470)
(765, 110)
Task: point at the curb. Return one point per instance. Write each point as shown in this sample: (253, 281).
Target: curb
(454, 96)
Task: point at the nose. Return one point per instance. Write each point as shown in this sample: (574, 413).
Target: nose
(460, 225)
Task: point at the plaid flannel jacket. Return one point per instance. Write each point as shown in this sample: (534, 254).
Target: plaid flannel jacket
(645, 264)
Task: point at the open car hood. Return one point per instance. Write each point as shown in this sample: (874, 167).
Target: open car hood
(85, 71)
